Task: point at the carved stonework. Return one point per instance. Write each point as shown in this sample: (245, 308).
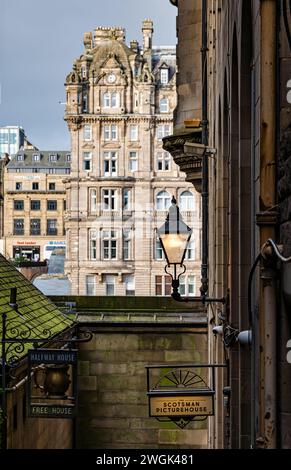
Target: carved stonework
(184, 155)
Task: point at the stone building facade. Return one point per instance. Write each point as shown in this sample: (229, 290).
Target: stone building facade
(247, 62)
(120, 103)
(35, 203)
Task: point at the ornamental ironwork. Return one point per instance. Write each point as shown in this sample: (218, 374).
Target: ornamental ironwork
(181, 393)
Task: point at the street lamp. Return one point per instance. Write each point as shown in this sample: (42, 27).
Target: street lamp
(174, 236)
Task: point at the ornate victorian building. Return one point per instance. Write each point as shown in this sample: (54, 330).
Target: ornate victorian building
(120, 103)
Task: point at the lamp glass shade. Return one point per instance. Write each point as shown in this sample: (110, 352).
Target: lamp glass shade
(175, 246)
(174, 236)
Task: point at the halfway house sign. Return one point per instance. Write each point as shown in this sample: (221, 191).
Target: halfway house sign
(52, 385)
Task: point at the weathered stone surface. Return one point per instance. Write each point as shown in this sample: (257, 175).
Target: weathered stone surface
(88, 383)
(115, 414)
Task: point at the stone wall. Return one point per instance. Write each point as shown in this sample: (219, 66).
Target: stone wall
(189, 69)
(113, 404)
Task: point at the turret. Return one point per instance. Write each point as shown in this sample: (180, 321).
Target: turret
(147, 31)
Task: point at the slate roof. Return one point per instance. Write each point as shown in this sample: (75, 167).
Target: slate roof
(44, 162)
(36, 317)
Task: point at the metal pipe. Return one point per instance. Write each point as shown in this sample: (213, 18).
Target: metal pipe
(267, 318)
(3, 385)
(204, 123)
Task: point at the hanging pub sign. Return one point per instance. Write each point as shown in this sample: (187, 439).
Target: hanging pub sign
(52, 383)
(181, 393)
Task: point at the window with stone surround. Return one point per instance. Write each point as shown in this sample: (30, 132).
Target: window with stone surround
(18, 227)
(109, 199)
(163, 201)
(87, 161)
(110, 163)
(164, 105)
(34, 205)
(187, 285)
(127, 244)
(35, 227)
(190, 252)
(109, 281)
(87, 132)
(164, 76)
(52, 205)
(163, 161)
(133, 161)
(109, 244)
(159, 254)
(126, 202)
(133, 133)
(93, 200)
(129, 282)
(93, 244)
(110, 132)
(52, 227)
(18, 205)
(186, 201)
(163, 285)
(163, 131)
(90, 285)
(111, 99)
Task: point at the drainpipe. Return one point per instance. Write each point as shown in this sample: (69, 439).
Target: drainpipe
(204, 123)
(266, 220)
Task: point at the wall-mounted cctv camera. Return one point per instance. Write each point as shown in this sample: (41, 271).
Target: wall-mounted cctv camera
(217, 330)
(245, 337)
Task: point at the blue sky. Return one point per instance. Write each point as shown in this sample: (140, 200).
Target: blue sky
(39, 40)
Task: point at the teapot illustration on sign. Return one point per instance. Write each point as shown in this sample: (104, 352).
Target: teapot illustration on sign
(56, 380)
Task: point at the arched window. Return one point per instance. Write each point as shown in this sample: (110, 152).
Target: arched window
(106, 100)
(186, 201)
(163, 201)
(114, 100)
(164, 105)
(111, 100)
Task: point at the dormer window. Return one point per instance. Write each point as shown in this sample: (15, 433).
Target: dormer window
(164, 76)
(20, 158)
(53, 158)
(36, 158)
(68, 157)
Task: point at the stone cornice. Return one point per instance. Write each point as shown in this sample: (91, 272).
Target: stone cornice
(184, 155)
(78, 120)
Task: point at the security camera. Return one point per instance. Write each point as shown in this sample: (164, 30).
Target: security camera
(245, 337)
(217, 330)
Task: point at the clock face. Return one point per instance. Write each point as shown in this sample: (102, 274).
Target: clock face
(111, 78)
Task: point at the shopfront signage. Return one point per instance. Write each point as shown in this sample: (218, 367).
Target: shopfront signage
(52, 356)
(24, 242)
(181, 405)
(52, 383)
(56, 243)
(51, 411)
